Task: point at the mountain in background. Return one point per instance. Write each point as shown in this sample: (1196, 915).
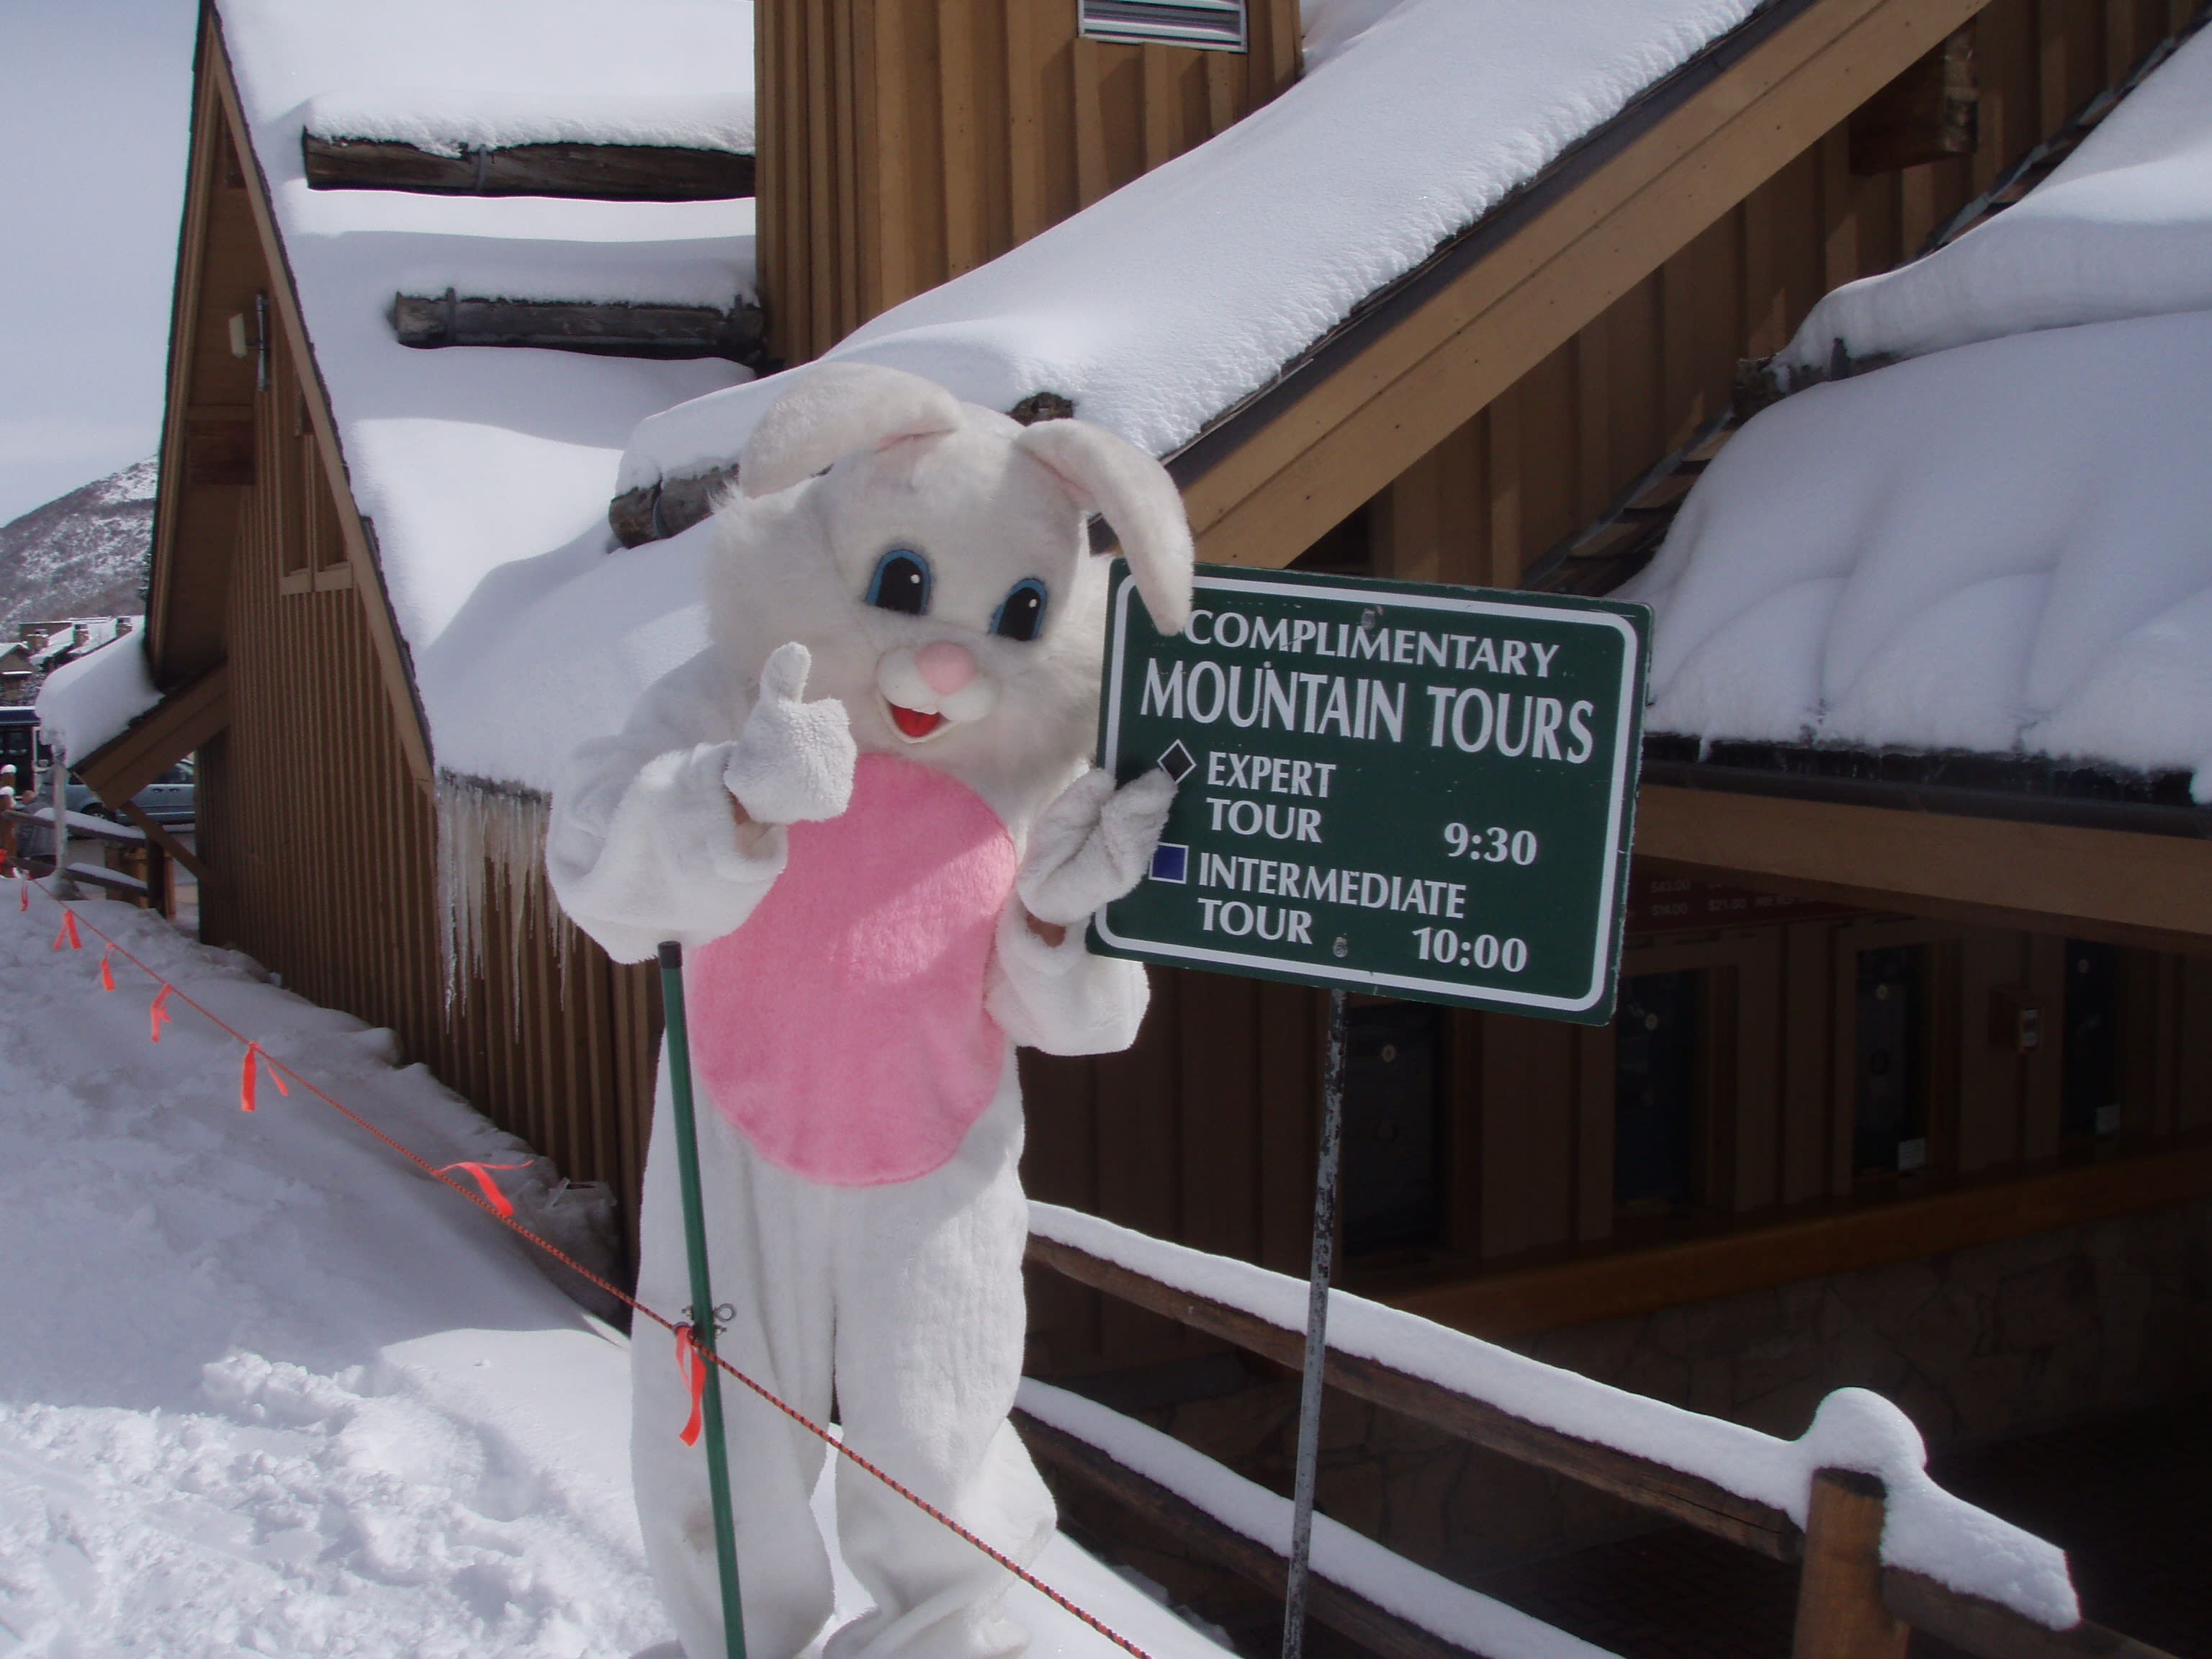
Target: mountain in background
(81, 554)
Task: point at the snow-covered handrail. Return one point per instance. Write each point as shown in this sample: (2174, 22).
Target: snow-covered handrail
(1622, 1441)
(1344, 1561)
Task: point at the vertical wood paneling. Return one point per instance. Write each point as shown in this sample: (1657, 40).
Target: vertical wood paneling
(903, 142)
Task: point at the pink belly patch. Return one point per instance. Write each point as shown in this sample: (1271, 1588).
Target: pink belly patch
(842, 1027)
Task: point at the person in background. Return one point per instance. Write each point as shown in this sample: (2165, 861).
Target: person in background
(7, 820)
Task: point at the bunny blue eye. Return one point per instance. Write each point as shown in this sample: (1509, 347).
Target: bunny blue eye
(1021, 613)
(901, 583)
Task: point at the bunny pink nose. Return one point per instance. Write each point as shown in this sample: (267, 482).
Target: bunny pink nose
(945, 667)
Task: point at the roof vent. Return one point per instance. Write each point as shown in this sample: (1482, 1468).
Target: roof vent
(1217, 25)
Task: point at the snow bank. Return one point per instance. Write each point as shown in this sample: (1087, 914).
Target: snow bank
(1928, 1529)
(349, 1417)
(469, 460)
(265, 1388)
(2006, 547)
(2122, 229)
(448, 121)
(91, 699)
(1435, 1603)
(1160, 307)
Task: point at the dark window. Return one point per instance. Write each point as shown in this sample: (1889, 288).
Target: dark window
(1891, 1126)
(1391, 1195)
(2090, 1094)
(1655, 1113)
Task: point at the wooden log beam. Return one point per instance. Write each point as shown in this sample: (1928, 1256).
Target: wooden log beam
(605, 173)
(181, 722)
(1637, 1481)
(159, 835)
(1991, 1631)
(2064, 873)
(1840, 1612)
(667, 507)
(1828, 1237)
(659, 331)
(1343, 1610)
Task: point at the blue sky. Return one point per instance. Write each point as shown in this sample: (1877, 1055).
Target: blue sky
(94, 101)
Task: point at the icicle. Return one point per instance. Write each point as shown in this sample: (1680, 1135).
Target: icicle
(491, 880)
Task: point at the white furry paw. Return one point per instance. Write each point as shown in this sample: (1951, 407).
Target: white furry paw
(1093, 844)
(793, 761)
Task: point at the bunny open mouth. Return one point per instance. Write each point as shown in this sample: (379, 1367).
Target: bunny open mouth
(919, 707)
(912, 723)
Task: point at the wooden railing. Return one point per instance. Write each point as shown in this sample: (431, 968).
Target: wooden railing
(1850, 1606)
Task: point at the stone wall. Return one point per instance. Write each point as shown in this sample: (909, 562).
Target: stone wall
(1975, 1345)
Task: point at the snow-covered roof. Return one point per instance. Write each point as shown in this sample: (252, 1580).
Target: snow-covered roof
(1162, 306)
(467, 459)
(2122, 227)
(92, 698)
(1155, 309)
(2002, 547)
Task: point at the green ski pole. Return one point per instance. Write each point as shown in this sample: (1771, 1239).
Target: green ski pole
(702, 1293)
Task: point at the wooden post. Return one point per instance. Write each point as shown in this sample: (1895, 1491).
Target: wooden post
(1840, 1613)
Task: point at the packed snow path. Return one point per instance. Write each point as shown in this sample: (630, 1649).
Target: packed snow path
(264, 1388)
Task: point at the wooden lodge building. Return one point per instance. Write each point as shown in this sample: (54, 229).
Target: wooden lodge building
(1911, 1084)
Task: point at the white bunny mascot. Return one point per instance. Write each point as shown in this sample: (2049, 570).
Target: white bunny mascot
(867, 811)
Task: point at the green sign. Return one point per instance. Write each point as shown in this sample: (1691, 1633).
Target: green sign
(1417, 791)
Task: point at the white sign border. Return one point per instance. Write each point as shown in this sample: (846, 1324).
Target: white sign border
(1117, 651)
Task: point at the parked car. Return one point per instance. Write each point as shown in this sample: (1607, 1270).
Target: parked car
(168, 800)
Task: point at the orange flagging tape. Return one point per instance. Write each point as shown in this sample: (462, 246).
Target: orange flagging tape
(502, 1206)
(157, 1016)
(106, 974)
(66, 934)
(245, 1075)
(277, 1069)
(693, 1364)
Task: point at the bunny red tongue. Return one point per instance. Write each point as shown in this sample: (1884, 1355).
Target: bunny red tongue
(914, 722)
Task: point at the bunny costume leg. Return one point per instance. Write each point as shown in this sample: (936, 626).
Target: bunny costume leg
(910, 1293)
(930, 1328)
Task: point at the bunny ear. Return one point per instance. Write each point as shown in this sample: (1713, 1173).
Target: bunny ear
(1133, 491)
(834, 409)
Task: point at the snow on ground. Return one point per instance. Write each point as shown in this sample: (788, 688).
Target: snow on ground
(1863, 565)
(2122, 229)
(264, 1388)
(1926, 1529)
(91, 698)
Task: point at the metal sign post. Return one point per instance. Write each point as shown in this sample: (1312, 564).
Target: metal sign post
(1392, 788)
(677, 1037)
(1324, 1254)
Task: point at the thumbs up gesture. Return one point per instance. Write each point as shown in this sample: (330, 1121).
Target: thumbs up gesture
(793, 762)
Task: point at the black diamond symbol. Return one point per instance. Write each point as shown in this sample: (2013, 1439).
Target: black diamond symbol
(1177, 762)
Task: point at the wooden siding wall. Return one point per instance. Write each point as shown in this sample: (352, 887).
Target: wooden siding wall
(322, 849)
(904, 142)
(1547, 457)
(1530, 1103)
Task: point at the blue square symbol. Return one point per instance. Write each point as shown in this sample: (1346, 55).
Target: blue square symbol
(1170, 862)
